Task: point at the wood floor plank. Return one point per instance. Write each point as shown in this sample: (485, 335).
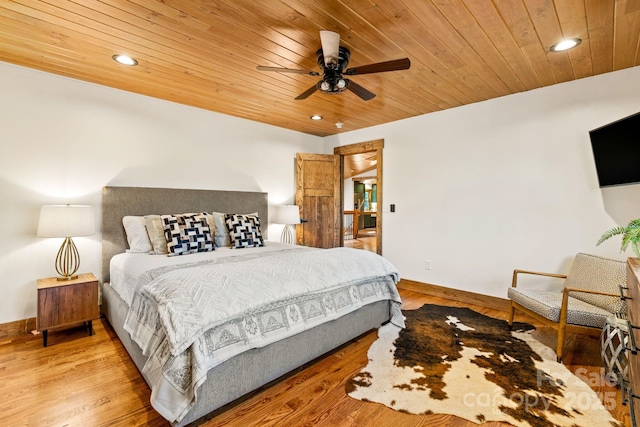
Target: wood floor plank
(81, 380)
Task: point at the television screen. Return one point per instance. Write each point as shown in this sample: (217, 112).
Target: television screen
(616, 150)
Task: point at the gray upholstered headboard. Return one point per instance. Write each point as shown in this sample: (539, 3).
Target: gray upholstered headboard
(121, 201)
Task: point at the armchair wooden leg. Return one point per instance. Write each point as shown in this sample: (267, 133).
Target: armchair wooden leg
(512, 310)
(560, 343)
(562, 323)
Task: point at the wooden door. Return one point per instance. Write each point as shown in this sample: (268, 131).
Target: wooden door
(318, 185)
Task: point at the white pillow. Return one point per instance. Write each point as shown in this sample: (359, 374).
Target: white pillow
(137, 236)
(221, 234)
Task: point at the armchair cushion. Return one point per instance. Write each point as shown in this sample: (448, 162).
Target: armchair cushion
(547, 304)
(594, 273)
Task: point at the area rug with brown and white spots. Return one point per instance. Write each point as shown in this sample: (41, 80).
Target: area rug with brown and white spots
(452, 360)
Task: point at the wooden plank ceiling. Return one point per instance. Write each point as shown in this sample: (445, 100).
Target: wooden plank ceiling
(204, 53)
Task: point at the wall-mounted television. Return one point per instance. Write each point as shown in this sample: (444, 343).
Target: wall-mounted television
(616, 150)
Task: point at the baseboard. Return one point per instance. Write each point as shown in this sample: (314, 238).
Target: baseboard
(18, 328)
(497, 303)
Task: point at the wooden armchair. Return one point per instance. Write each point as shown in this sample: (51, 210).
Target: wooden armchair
(591, 293)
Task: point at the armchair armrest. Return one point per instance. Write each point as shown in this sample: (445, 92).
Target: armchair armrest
(565, 300)
(568, 289)
(537, 273)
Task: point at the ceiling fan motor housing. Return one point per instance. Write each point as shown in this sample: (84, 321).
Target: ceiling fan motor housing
(332, 81)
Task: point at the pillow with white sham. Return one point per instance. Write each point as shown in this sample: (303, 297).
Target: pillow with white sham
(221, 233)
(137, 236)
(244, 231)
(155, 230)
(187, 233)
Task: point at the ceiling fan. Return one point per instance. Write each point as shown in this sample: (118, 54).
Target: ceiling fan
(333, 60)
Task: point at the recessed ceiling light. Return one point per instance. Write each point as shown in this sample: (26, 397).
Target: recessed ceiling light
(125, 60)
(565, 44)
(316, 117)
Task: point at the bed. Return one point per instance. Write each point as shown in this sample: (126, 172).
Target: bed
(158, 350)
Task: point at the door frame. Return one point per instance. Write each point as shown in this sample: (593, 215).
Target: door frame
(363, 147)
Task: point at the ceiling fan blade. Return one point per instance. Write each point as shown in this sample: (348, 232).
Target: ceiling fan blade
(330, 47)
(287, 70)
(363, 93)
(380, 67)
(306, 93)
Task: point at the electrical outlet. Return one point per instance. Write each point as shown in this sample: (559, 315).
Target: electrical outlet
(427, 264)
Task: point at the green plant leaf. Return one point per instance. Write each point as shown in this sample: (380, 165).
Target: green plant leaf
(630, 236)
(613, 232)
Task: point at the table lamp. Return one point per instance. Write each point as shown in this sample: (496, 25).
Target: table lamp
(66, 221)
(287, 215)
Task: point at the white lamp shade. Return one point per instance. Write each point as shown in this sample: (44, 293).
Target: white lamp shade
(287, 214)
(66, 221)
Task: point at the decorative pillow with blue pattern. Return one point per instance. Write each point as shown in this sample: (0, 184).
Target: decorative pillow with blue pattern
(187, 233)
(244, 231)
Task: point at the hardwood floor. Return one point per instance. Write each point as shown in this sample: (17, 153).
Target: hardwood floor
(366, 240)
(81, 380)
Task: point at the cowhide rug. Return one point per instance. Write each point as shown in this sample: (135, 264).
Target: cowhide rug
(456, 361)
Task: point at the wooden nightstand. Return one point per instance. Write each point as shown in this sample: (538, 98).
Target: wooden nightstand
(62, 303)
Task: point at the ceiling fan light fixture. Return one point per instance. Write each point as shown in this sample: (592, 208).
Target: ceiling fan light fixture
(316, 117)
(565, 44)
(125, 60)
(333, 84)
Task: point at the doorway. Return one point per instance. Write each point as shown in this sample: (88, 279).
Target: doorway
(361, 195)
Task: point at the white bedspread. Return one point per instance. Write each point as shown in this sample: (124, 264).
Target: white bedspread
(190, 318)
(127, 269)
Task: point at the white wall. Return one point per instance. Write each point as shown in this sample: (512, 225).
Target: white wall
(507, 183)
(348, 194)
(62, 140)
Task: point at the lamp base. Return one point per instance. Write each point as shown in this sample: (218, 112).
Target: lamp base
(66, 278)
(67, 260)
(287, 236)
